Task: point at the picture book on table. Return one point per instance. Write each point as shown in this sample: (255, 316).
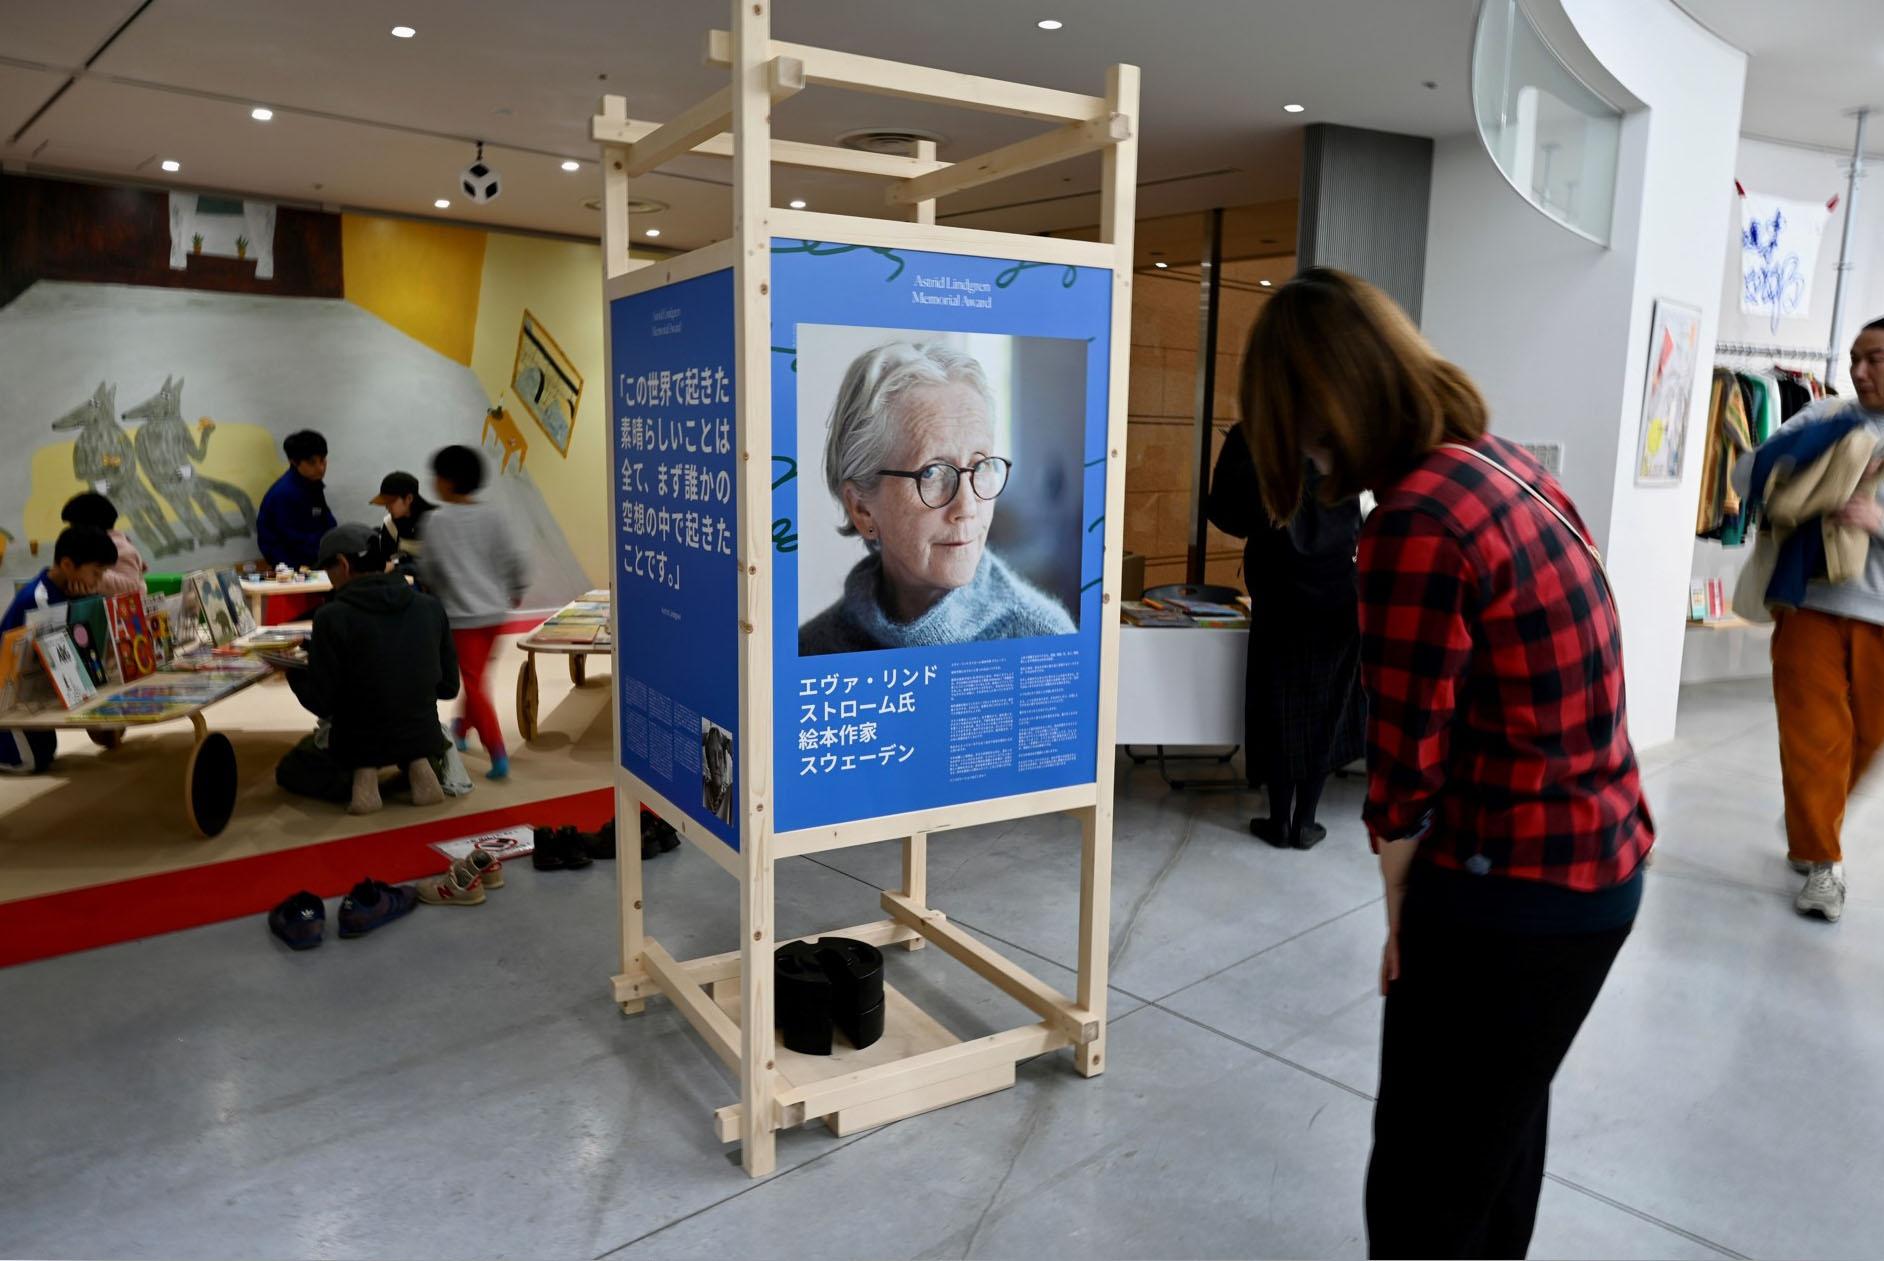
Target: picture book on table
(68, 674)
(205, 601)
(90, 629)
(231, 583)
(132, 640)
(16, 651)
(170, 631)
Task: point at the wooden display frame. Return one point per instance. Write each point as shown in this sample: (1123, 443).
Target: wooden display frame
(924, 1068)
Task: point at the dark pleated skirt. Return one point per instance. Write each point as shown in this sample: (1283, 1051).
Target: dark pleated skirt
(1304, 717)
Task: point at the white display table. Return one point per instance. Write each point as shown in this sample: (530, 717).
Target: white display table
(1181, 687)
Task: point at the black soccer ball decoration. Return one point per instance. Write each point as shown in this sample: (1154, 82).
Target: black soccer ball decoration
(480, 181)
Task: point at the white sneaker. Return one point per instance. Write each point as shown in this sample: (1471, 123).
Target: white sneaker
(1824, 892)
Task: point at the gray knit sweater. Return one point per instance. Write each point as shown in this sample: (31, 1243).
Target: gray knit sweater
(998, 604)
(473, 564)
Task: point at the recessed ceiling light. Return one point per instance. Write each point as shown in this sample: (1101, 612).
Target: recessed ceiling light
(261, 113)
(168, 165)
(403, 32)
(572, 165)
(442, 204)
(1263, 283)
(1049, 24)
(1161, 266)
(798, 203)
(653, 232)
(1293, 109)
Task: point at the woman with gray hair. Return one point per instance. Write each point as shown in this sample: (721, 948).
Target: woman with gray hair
(910, 458)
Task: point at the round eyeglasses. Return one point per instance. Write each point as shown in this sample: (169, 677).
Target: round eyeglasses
(939, 482)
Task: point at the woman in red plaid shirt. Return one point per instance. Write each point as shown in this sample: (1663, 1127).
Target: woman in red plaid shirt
(1503, 794)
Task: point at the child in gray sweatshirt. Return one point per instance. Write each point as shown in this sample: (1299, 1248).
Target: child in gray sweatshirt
(473, 564)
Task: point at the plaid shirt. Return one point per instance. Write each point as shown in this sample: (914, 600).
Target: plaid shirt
(1492, 660)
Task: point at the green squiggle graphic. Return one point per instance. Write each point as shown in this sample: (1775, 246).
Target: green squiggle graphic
(1068, 278)
(784, 538)
(821, 249)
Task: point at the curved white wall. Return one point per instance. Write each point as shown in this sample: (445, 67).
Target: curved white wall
(1555, 329)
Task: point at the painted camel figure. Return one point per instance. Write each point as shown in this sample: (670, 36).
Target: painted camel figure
(104, 459)
(169, 455)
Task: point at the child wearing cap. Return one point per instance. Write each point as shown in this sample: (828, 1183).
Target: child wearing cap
(403, 529)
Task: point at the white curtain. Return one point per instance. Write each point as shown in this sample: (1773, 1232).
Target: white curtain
(182, 228)
(260, 217)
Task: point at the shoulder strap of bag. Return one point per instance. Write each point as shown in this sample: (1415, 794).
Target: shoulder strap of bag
(1535, 493)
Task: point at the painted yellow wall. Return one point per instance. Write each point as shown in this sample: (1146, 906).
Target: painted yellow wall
(243, 455)
(560, 282)
(421, 278)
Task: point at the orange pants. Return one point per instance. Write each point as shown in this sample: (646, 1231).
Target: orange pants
(1828, 685)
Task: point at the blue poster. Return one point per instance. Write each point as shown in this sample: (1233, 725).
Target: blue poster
(939, 427)
(676, 579)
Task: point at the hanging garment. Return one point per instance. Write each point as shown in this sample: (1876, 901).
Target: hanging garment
(1729, 436)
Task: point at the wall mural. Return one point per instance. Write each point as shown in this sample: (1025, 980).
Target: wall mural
(99, 332)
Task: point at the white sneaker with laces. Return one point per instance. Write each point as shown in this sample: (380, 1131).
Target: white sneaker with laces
(1824, 892)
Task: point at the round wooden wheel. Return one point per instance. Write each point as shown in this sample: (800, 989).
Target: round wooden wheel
(527, 699)
(105, 737)
(578, 669)
(209, 784)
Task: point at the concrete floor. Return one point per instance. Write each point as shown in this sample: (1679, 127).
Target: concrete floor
(459, 1085)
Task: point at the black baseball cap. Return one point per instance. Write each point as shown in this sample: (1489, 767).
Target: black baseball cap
(350, 540)
(395, 486)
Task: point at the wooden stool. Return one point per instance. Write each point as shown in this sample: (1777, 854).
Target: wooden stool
(498, 421)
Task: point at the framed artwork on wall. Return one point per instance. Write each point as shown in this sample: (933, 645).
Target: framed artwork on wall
(1667, 392)
(546, 382)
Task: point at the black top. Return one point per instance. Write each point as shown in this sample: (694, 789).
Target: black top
(1307, 563)
(379, 662)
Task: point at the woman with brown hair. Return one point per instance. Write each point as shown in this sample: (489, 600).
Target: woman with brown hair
(1503, 795)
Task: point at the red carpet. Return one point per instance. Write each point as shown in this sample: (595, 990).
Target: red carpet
(80, 919)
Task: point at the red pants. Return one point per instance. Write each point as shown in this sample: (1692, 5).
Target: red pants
(1828, 684)
(474, 647)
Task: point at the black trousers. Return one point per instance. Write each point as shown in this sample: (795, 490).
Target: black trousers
(1475, 1030)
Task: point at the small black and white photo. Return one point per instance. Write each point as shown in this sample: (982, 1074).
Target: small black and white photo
(941, 487)
(716, 770)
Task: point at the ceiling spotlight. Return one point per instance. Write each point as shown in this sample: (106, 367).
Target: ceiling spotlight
(442, 204)
(1161, 266)
(652, 232)
(1293, 109)
(798, 203)
(1049, 24)
(169, 165)
(403, 32)
(261, 113)
(572, 165)
(1263, 283)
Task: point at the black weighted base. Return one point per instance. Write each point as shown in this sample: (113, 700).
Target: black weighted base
(832, 982)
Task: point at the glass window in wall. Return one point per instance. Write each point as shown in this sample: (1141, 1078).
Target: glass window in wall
(1553, 137)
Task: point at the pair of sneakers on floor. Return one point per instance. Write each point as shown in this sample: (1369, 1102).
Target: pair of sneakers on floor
(464, 882)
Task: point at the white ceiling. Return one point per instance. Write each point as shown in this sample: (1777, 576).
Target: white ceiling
(365, 120)
(1810, 63)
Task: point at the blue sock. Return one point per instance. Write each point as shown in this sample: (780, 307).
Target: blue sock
(458, 736)
(500, 768)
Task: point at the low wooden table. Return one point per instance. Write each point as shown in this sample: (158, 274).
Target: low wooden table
(578, 654)
(259, 589)
(209, 773)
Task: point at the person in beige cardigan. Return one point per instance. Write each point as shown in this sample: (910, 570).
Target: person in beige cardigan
(125, 577)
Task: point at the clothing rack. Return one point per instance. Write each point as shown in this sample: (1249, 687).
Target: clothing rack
(1758, 350)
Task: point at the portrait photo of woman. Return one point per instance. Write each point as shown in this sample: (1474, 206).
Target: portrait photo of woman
(920, 463)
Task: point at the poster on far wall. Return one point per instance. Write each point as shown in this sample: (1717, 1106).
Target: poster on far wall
(1674, 347)
(939, 428)
(1779, 250)
(546, 382)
